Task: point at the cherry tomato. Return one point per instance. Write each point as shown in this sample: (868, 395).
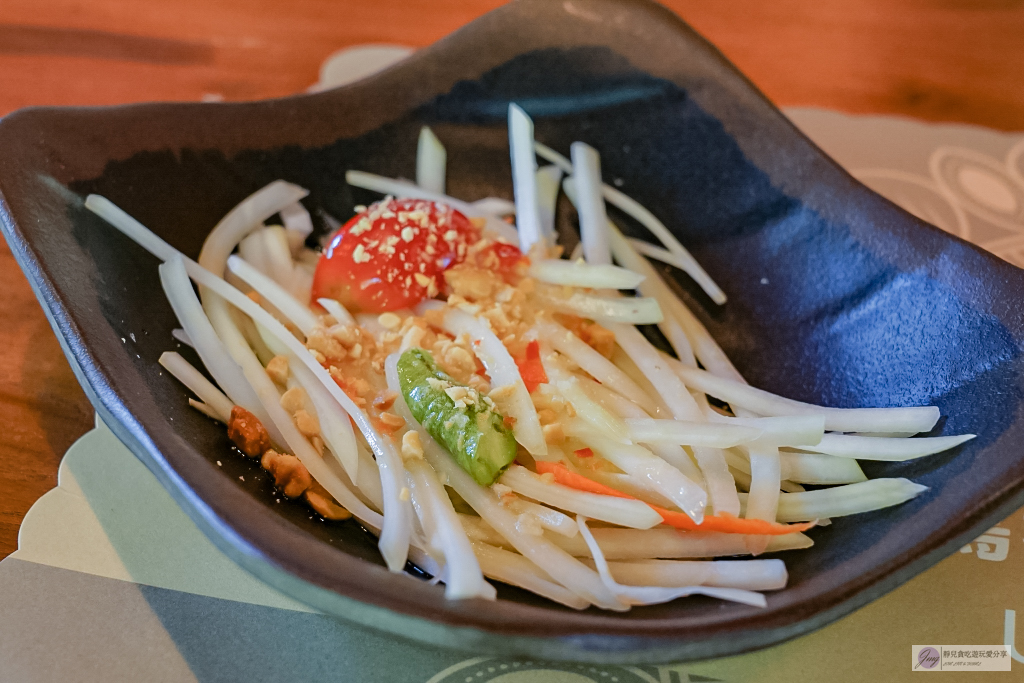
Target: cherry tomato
(392, 255)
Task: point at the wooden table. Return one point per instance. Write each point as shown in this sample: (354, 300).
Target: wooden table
(941, 60)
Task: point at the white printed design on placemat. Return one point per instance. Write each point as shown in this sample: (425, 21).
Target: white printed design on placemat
(488, 670)
(967, 193)
(1010, 634)
(993, 545)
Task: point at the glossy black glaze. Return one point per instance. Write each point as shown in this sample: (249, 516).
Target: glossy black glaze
(836, 297)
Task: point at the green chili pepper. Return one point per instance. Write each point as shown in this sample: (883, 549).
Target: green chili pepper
(460, 419)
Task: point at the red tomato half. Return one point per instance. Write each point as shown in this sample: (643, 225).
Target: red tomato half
(392, 255)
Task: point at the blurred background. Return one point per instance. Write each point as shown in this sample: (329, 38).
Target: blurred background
(945, 60)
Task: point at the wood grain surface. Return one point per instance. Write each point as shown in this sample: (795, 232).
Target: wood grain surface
(940, 60)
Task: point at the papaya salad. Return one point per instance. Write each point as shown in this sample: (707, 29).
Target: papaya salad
(486, 405)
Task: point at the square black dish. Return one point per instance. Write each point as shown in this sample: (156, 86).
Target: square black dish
(836, 297)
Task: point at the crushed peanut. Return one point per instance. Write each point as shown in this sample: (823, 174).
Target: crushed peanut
(472, 283)
(457, 393)
(547, 416)
(277, 368)
(290, 475)
(389, 321)
(385, 400)
(434, 317)
(325, 344)
(345, 334)
(412, 447)
(502, 393)
(324, 504)
(293, 400)
(391, 420)
(247, 432)
(413, 338)
(459, 358)
(553, 433)
(479, 384)
(307, 424)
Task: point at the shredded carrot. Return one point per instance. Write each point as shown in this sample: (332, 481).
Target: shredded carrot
(727, 524)
(566, 477)
(531, 369)
(584, 453)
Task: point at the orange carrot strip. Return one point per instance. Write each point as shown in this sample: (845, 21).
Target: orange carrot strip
(566, 477)
(727, 524)
(584, 453)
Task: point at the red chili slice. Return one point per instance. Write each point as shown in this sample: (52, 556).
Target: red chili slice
(531, 369)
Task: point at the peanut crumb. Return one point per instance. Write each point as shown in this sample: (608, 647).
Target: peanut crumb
(479, 384)
(307, 424)
(293, 400)
(344, 334)
(326, 344)
(289, 474)
(413, 338)
(547, 416)
(384, 400)
(324, 504)
(434, 317)
(412, 447)
(501, 393)
(460, 361)
(389, 321)
(553, 433)
(247, 432)
(392, 420)
(457, 393)
(277, 368)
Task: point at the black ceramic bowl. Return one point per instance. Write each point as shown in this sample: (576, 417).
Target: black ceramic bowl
(864, 304)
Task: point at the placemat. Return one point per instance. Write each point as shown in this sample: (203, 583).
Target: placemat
(112, 582)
